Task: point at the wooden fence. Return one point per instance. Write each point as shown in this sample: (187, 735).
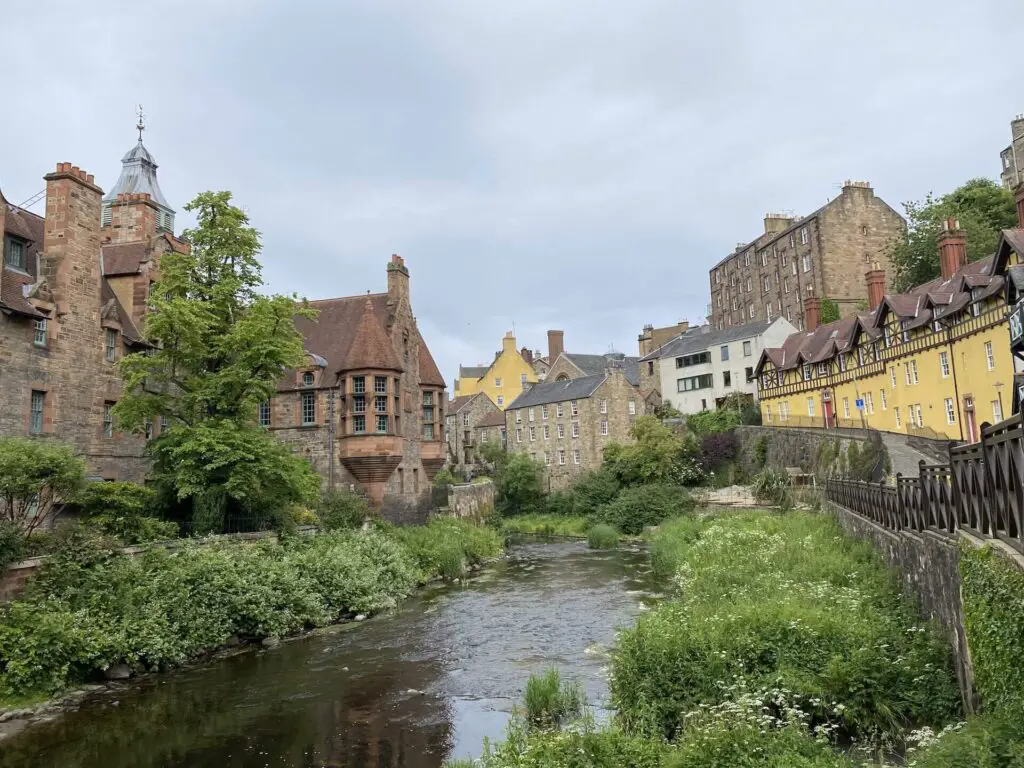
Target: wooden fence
(980, 489)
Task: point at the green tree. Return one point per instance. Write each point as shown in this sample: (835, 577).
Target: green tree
(219, 349)
(829, 311)
(657, 456)
(982, 207)
(36, 478)
(519, 487)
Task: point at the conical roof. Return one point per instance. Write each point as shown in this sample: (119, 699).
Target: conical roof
(138, 176)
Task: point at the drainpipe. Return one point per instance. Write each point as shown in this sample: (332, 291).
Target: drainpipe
(956, 387)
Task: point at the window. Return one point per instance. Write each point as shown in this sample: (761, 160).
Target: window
(694, 382)
(783, 411)
(497, 382)
(380, 385)
(768, 311)
(308, 408)
(500, 400)
(726, 378)
(575, 429)
(519, 435)
(465, 420)
(544, 412)
(533, 434)
(700, 358)
(822, 369)
(906, 373)
(882, 400)
(650, 367)
(846, 407)
(764, 258)
(913, 371)
(869, 403)
(148, 427)
(746, 259)
(768, 412)
(750, 373)
(561, 431)
(785, 258)
(559, 410)
(519, 417)
(531, 415)
(382, 424)
(896, 413)
(604, 405)
(380, 403)
(747, 349)
(807, 373)
(950, 411)
(892, 376)
(917, 411)
(793, 267)
(576, 456)
(547, 458)
(522, 379)
(265, 413)
(428, 398)
(164, 424)
(989, 357)
(997, 411)
(35, 425)
(359, 384)
(561, 458)
(14, 254)
(750, 311)
(804, 237)
(632, 406)
(810, 406)
(750, 285)
(574, 408)
(604, 426)
(359, 404)
(767, 284)
(807, 262)
(785, 284)
(944, 364)
(724, 350)
(111, 344)
(428, 431)
(108, 419)
(40, 336)
(307, 379)
(428, 415)
(547, 432)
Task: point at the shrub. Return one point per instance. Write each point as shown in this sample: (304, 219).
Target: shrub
(518, 485)
(447, 546)
(708, 422)
(342, 510)
(549, 702)
(641, 506)
(581, 747)
(593, 489)
(602, 537)
(717, 449)
(36, 478)
(761, 451)
(772, 486)
(123, 510)
(559, 504)
(444, 478)
(657, 456)
(546, 525)
(12, 543)
(991, 740)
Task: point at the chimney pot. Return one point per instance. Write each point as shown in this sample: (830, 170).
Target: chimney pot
(812, 313)
(952, 248)
(875, 278)
(556, 345)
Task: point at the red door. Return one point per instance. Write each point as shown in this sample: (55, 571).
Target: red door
(826, 407)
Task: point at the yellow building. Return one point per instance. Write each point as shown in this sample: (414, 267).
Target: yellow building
(503, 380)
(934, 361)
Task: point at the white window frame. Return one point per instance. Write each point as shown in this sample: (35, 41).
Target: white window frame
(547, 431)
(810, 407)
(807, 262)
(519, 435)
(604, 427)
(944, 364)
(561, 457)
(846, 407)
(869, 403)
(748, 349)
(913, 371)
(497, 382)
(575, 429)
(574, 408)
(632, 407)
(950, 411)
(576, 456)
(997, 411)
(110, 344)
(531, 415)
(604, 405)
(39, 326)
(990, 358)
(544, 413)
(804, 236)
(559, 410)
(519, 417)
(882, 398)
(533, 434)
(561, 431)
(500, 400)
(917, 412)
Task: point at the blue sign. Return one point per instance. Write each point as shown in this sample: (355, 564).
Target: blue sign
(860, 404)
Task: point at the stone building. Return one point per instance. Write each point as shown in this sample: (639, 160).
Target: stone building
(509, 374)
(491, 428)
(463, 415)
(823, 255)
(367, 408)
(73, 290)
(1011, 159)
(566, 423)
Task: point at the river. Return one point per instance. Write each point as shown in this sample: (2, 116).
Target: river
(413, 688)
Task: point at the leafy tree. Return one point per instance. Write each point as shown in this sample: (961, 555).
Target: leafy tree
(518, 485)
(220, 348)
(342, 509)
(982, 207)
(123, 510)
(492, 455)
(36, 479)
(657, 456)
(829, 311)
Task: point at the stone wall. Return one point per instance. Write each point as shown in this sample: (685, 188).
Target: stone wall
(474, 501)
(928, 565)
(788, 447)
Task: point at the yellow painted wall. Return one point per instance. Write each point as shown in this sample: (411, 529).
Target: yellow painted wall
(503, 381)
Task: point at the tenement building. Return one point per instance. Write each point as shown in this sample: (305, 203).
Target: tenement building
(367, 408)
(823, 255)
(1011, 159)
(464, 413)
(698, 369)
(73, 290)
(566, 423)
(934, 361)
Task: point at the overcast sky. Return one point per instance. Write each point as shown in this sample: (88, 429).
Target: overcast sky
(574, 164)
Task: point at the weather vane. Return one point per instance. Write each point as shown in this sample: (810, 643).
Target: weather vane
(141, 125)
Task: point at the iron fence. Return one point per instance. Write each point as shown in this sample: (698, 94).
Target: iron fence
(980, 489)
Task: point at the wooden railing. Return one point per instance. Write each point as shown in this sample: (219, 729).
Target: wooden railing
(980, 489)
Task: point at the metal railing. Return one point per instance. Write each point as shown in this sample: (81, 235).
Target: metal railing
(980, 490)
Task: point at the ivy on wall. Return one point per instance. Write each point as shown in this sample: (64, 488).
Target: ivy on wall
(993, 598)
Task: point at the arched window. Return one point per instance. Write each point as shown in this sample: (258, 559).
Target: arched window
(562, 377)
(307, 379)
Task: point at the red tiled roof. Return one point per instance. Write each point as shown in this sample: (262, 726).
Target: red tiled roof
(29, 227)
(13, 287)
(125, 258)
(429, 372)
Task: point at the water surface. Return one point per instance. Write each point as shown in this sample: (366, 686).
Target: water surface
(410, 689)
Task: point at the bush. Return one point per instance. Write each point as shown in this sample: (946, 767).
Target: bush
(549, 702)
(602, 537)
(546, 525)
(761, 451)
(772, 486)
(12, 543)
(123, 510)
(718, 449)
(341, 510)
(36, 479)
(593, 489)
(560, 504)
(991, 740)
(638, 507)
(444, 478)
(518, 486)
(572, 748)
(448, 547)
(709, 422)
(657, 456)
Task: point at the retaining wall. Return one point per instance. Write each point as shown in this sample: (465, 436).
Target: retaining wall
(474, 501)
(789, 447)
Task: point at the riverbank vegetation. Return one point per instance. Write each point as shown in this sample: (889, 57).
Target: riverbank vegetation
(783, 643)
(92, 608)
(602, 536)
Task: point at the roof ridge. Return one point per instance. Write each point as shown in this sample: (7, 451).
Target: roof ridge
(346, 298)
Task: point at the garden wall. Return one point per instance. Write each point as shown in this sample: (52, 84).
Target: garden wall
(788, 447)
(474, 501)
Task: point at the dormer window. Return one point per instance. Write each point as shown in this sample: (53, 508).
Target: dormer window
(14, 253)
(307, 379)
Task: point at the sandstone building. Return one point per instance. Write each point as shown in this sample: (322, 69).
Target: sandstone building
(73, 290)
(1011, 159)
(491, 428)
(464, 413)
(566, 423)
(823, 255)
(367, 408)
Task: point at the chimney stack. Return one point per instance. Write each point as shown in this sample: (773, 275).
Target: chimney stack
(71, 236)
(527, 355)
(133, 219)
(812, 313)
(875, 279)
(1020, 204)
(398, 280)
(556, 345)
(952, 248)
(508, 343)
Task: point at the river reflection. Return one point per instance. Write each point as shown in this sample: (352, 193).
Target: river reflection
(410, 689)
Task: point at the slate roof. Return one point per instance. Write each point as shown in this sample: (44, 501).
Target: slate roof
(592, 365)
(558, 391)
(138, 176)
(700, 338)
(124, 258)
(456, 404)
(472, 371)
(492, 419)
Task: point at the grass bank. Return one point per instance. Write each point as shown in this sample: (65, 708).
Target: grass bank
(92, 608)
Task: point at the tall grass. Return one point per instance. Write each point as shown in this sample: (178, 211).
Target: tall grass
(549, 702)
(546, 525)
(602, 537)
